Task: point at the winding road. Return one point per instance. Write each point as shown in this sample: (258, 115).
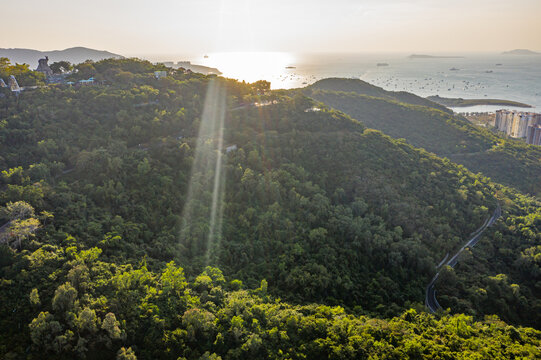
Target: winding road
(430, 298)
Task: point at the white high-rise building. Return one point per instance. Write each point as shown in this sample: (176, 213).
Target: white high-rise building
(514, 123)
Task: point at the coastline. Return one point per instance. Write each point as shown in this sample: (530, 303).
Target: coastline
(489, 109)
(463, 103)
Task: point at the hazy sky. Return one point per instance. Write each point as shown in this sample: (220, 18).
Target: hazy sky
(144, 27)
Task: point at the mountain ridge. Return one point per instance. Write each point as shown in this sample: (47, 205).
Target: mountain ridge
(74, 55)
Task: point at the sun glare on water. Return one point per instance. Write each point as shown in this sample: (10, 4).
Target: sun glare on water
(252, 66)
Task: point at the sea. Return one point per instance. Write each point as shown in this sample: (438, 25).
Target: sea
(468, 75)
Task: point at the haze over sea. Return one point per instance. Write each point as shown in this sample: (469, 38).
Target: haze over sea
(518, 77)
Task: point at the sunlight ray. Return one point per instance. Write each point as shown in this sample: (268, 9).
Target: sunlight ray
(201, 220)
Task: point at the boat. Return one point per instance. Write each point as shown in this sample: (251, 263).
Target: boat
(489, 71)
(454, 69)
(498, 64)
(206, 56)
(291, 67)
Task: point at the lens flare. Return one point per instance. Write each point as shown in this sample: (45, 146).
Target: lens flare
(201, 229)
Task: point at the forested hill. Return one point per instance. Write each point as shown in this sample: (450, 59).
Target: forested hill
(364, 88)
(103, 187)
(424, 124)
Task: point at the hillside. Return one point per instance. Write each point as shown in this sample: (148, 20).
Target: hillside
(508, 161)
(362, 87)
(74, 55)
(133, 313)
(301, 203)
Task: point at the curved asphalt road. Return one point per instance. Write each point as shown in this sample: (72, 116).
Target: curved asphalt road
(430, 299)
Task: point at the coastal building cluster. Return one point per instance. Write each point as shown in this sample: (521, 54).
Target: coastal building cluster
(58, 79)
(50, 78)
(522, 125)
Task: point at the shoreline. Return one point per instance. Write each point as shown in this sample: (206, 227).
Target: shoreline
(461, 103)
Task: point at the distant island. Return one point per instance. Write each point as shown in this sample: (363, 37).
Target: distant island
(74, 55)
(200, 68)
(424, 56)
(520, 52)
(192, 67)
(459, 102)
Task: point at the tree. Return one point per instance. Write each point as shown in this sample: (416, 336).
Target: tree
(261, 86)
(22, 229)
(85, 70)
(18, 210)
(4, 63)
(60, 67)
(111, 326)
(125, 354)
(86, 321)
(44, 329)
(34, 297)
(22, 72)
(64, 297)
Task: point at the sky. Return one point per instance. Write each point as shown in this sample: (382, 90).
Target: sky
(144, 27)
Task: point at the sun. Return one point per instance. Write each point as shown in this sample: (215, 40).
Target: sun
(251, 66)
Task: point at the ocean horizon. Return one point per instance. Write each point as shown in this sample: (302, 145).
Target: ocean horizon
(469, 75)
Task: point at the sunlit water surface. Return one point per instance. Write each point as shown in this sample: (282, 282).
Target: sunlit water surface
(473, 76)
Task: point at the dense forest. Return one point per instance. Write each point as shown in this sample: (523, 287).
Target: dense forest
(425, 124)
(198, 217)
